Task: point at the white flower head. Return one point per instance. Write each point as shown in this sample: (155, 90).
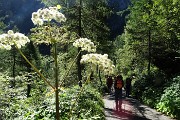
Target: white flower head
(104, 64)
(10, 32)
(47, 14)
(85, 44)
(11, 38)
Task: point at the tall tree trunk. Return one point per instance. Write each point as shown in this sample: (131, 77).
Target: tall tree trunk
(79, 56)
(149, 42)
(149, 51)
(13, 67)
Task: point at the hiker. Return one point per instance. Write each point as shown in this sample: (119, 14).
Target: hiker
(109, 83)
(118, 85)
(92, 76)
(128, 86)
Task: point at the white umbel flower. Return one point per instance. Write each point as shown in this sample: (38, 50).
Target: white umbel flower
(47, 14)
(85, 45)
(104, 64)
(11, 38)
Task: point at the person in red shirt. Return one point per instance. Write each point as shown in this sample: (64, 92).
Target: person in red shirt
(118, 85)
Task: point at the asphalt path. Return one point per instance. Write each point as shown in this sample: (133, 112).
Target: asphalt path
(131, 109)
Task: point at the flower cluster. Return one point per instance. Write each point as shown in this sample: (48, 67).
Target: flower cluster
(85, 44)
(47, 14)
(104, 64)
(51, 35)
(11, 38)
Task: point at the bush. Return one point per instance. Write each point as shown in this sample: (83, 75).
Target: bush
(151, 96)
(170, 100)
(148, 88)
(84, 105)
(74, 103)
(140, 86)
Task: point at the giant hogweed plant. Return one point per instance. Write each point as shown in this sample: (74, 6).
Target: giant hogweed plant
(53, 37)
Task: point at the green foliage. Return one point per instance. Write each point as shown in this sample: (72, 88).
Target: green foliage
(3, 99)
(2, 25)
(93, 20)
(47, 34)
(162, 95)
(5, 61)
(50, 2)
(14, 100)
(88, 98)
(170, 100)
(98, 81)
(73, 103)
(150, 35)
(151, 96)
(46, 66)
(65, 61)
(148, 88)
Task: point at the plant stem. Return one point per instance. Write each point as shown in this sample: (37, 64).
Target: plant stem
(56, 82)
(81, 90)
(79, 67)
(35, 69)
(66, 74)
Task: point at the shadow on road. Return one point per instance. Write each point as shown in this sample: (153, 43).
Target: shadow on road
(123, 115)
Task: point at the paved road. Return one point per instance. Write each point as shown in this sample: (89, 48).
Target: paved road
(131, 110)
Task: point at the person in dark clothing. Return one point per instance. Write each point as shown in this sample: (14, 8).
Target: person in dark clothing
(118, 85)
(109, 83)
(128, 87)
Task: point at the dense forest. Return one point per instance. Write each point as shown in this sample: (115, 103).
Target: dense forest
(56, 54)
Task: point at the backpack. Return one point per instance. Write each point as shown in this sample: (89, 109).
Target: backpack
(119, 84)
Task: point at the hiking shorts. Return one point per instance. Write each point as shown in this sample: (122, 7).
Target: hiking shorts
(118, 94)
